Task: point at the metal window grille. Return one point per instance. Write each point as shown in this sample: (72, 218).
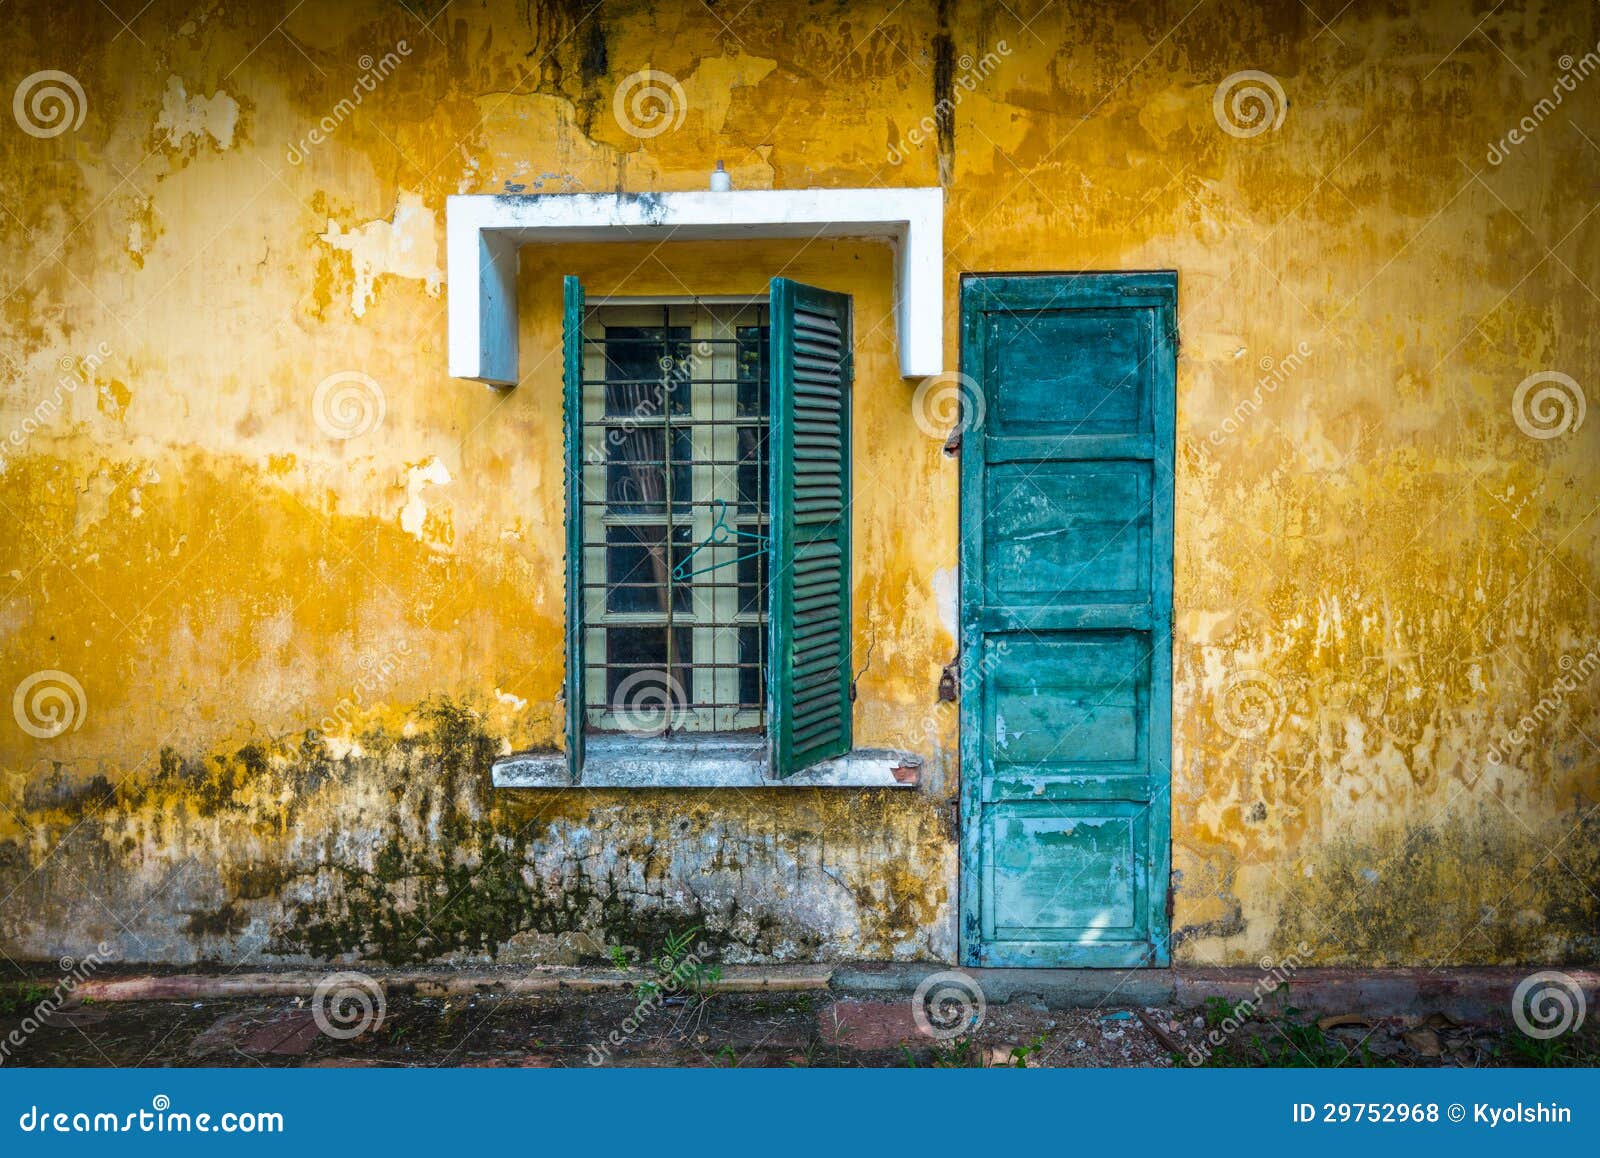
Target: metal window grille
(674, 493)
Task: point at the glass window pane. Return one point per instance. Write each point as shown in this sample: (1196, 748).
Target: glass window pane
(753, 579)
(753, 348)
(636, 470)
(637, 675)
(752, 670)
(752, 469)
(637, 568)
(647, 369)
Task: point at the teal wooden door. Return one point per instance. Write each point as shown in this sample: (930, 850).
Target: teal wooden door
(1066, 620)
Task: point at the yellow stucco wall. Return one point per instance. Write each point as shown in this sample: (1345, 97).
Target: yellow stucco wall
(298, 652)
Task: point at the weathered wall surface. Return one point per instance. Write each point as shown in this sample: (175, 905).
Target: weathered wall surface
(309, 585)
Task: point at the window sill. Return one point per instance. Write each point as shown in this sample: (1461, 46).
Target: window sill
(701, 762)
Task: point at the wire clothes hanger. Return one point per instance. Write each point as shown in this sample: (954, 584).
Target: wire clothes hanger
(722, 534)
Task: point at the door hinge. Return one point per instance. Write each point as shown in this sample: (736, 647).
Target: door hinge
(950, 682)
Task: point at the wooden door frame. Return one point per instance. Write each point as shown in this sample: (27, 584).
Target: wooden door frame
(1160, 288)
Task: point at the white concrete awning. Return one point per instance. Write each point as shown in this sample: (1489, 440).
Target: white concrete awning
(485, 231)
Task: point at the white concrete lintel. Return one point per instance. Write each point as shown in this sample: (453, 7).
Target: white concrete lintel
(486, 230)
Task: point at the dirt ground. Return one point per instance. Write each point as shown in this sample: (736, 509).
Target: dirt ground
(807, 1028)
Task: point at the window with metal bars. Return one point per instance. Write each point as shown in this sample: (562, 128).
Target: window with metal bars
(674, 493)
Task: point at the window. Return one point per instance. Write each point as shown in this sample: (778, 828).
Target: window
(675, 510)
(708, 521)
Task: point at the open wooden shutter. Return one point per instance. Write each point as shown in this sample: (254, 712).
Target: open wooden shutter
(808, 673)
(572, 407)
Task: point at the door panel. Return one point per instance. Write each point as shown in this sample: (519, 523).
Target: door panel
(1066, 552)
(1075, 532)
(1089, 686)
(1072, 372)
(1067, 872)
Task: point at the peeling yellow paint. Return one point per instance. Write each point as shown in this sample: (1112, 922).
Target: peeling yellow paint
(714, 84)
(406, 245)
(184, 118)
(414, 515)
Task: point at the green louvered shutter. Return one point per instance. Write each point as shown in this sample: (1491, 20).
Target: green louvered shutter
(572, 407)
(808, 684)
